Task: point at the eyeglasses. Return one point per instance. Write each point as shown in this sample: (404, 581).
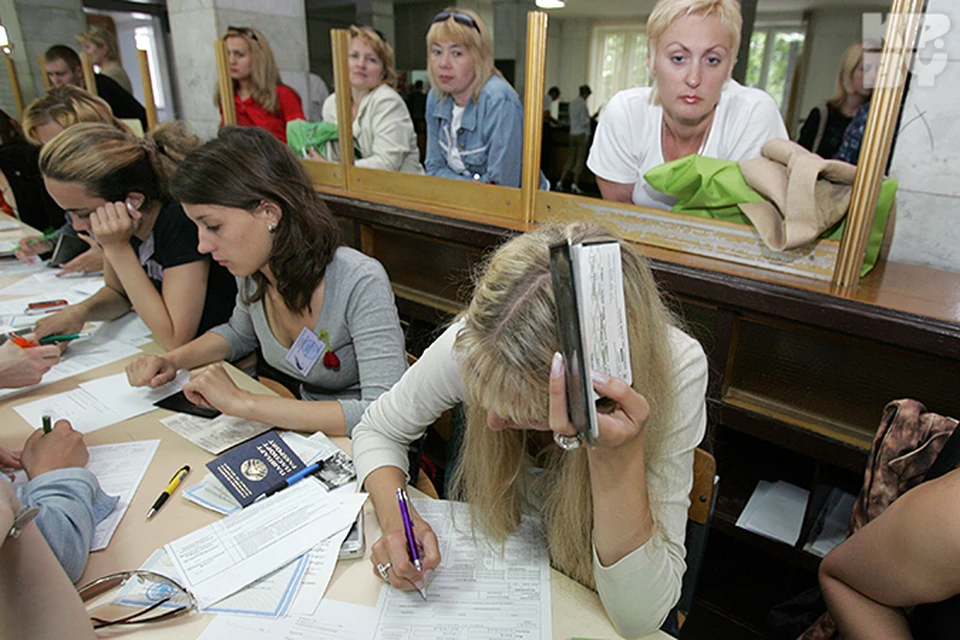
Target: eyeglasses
(134, 597)
(247, 31)
(458, 17)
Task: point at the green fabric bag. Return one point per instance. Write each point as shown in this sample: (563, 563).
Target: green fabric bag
(302, 135)
(712, 188)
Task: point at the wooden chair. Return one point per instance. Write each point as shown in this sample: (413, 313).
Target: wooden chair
(703, 499)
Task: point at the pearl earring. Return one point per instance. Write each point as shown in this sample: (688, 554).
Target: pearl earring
(272, 227)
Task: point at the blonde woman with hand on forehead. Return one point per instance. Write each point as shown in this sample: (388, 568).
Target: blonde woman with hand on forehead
(614, 515)
(114, 186)
(260, 99)
(693, 106)
(382, 127)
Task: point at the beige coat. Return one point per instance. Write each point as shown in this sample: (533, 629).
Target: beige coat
(383, 132)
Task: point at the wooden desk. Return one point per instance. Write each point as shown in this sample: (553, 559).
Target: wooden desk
(576, 610)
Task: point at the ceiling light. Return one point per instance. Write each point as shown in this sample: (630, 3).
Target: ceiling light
(551, 4)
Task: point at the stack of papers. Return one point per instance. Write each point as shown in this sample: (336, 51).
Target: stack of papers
(775, 511)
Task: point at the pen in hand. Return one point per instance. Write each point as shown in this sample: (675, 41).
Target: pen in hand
(45, 420)
(171, 487)
(403, 500)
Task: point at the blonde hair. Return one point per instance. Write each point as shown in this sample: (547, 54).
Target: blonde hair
(507, 344)
(381, 48)
(110, 163)
(264, 74)
(68, 105)
(667, 11)
(476, 41)
(102, 38)
(848, 63)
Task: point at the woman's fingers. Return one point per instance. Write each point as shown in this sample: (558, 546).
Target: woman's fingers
(559, 417)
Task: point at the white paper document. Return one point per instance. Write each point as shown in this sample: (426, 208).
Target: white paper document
(333, 620)
(119, 468)
(775, 511)
(216, 435)
(832, 522)
(53, 285)
(268, 597)
(127, 401)
(129, 328)
(222, 558)
(12, 266)
(81, 357)
(476, 592)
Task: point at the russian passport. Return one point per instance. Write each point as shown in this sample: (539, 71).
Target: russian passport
(251, 469)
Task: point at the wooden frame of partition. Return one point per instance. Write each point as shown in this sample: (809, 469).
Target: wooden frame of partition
(838, 262)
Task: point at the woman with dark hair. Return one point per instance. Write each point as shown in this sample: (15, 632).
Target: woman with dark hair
(21, 185)
(115, 187)
(321, 313)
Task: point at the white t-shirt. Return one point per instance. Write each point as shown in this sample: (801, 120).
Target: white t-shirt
(453, 154)
(628, 140)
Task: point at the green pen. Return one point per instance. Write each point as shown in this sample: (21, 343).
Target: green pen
(46, 424)
(63, 338)
(51, 235)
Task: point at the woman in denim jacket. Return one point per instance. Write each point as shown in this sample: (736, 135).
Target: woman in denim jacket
(474, 116)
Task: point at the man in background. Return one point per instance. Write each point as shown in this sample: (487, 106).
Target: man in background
(579, 140)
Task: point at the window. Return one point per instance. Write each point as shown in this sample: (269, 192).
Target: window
(774, 52)
(619, 60)
(146, 42)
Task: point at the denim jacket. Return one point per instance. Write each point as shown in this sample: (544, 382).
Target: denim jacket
(490, 136)
(71, 506)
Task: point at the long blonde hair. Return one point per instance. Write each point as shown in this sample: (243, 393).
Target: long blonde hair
(264, 74)
(507, 344)
(110, 163)
(848, 64)
(475, 40)
(68, 105)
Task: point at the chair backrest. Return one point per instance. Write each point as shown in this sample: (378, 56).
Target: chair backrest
(703, 500)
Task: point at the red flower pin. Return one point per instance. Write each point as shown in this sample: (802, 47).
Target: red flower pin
(330, 359)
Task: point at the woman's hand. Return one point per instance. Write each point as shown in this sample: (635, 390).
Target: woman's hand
(617, 428)
(150, 371)
(211, 386)
(392, 548)
(313, 154)
(62, 448)
(9, 461)
(113, 223)
(22, 367)
(32, 246)
(68, 320)
(90, 261)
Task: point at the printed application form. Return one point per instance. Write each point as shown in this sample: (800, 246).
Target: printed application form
(222, 558)
(476, 592)
(119, 468)
(333, 620)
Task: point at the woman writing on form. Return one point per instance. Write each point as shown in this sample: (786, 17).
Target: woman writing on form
(614, 515)
(321, 313)
(114, 186)
(693, 107)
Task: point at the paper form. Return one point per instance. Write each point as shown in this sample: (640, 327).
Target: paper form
(84, 412)
(11, 266)
(216, 435)
(333, 620)
(81, 357)
(323, 560)
(119, 468)
(127, 401)
(269, 597)
(775, 511)
(222, 558)
(129, 328)
(476, 592)
(54, 286)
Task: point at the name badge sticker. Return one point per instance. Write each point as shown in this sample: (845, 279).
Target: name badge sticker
(305, 352)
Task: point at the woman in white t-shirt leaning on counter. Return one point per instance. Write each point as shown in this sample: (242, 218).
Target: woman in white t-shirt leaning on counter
(693, 105)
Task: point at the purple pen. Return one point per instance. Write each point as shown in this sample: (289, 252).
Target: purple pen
(408, 527)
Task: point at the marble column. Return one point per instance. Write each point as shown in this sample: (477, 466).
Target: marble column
(196, 24)
(379, 15)
(33, 26)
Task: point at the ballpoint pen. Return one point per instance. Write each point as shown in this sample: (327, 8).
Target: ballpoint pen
(45, 421)
(171, 487)
(402, 500)
(44, 238)
(294, 478)
(20, 341)
(64, 337)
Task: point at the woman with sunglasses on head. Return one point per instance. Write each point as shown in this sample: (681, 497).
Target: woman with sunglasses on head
(474, 117)
(614, 515)
(321, 313)
(260, 99)
(692, 107)
(382, 127)
(114, 186)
